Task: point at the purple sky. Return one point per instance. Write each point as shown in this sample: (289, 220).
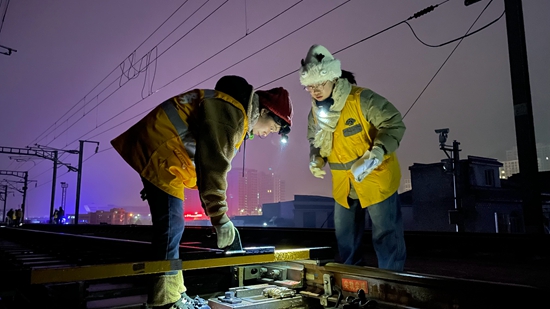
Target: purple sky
(65, 48)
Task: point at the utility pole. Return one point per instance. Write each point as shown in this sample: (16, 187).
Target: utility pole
(80, 153)
(25, 177)
(523, 116)
(54, 182)
(79, 176)
(50, 155)
(64, 187)
(456, 216)
(5, 188)
(25, 187)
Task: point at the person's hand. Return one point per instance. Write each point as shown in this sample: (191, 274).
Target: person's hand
(367, 163)
(315, 167)
(225, 234)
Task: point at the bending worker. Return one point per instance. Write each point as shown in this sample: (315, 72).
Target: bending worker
(188, 141)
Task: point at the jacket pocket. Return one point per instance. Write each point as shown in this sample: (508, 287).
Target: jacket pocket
(183, 168)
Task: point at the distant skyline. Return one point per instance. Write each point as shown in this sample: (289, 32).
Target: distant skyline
(62, 54)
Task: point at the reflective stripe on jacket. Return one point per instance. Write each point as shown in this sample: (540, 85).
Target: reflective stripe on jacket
(162, 146)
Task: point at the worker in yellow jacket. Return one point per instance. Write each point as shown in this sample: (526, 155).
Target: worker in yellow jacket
(357, 132)
(188, 141)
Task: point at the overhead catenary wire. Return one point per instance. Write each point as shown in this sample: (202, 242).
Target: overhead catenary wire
(459, 38)
(447, 59)
(265, 23)
(349, 46)
(107, 76)
(109, 95)
(173, 80)
(194, 67)
(65, 173)
(59, 159)
(420, 13)
(4, 15)
(144, 97)
(227, 47)
(140, 70)
(416, 15)
(55, 125)
(265, 47)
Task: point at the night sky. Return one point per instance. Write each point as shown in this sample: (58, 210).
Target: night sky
(66, 80)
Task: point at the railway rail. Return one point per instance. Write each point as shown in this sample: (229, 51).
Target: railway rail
(90, 268)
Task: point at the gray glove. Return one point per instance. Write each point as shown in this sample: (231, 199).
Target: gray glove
(315, 167)
(225, 234)
(367, 163)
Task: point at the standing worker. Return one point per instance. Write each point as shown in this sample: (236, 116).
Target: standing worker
(10, 217)
(357, 131)
(60, 215)
(188, 141)
(18, 217)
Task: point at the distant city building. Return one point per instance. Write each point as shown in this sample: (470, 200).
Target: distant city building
(511, 165)
(248, 190)
(116, 216)
(271, 187)
(249, 195)
(246, 193)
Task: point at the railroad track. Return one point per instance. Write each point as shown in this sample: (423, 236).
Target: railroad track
(90, 270)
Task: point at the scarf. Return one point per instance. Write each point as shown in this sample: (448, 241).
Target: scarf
(327, 124)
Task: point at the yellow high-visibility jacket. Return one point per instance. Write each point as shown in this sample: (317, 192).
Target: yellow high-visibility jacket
(366, 120)
(194, 133)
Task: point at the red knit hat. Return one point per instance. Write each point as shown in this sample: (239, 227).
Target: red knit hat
(278, 102)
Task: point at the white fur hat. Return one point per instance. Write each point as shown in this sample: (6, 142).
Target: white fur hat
(319, 66)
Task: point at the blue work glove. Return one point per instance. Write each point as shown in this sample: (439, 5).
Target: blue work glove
(315, 167)
(225, 233)
(367, 163)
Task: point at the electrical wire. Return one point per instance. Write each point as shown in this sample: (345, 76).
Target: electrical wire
(347, 47)
(140, 70)
(61, 157)
(459, 38)
(273, 43)
(139, 101)
(4, 15)
(109, 95)
(447, 59)
(109, 74)
(228, 46)
(165, 21)
(196, 66)
(68, 171)
(414, 16)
